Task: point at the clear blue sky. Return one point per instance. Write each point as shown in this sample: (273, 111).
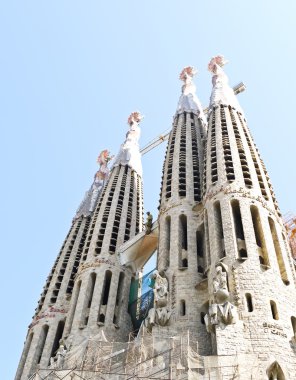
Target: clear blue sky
(71, 72)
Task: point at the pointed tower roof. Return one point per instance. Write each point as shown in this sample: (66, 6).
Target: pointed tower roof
(89, 201)
(188, 101)
(222, 93)
(129, 153)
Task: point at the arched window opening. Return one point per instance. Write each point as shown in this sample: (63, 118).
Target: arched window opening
(167, 240)
(184, 263)
(293, 322)
(183, 256)
(106, 287)
(24, 357)
(88, 299)
(219, 230)
(168, 233)
(239, 230)
(200, 250)
(207, 239)
(278, 252)
(58, 337)
(182, 308)
(274, 372)
(73, 309)
(274, 310)
(119, 288)
(202, 318)
(260, 240)
(101, 318)
(42, 340)
(91, 290)
(183, 231)
(249, 302)
(118, 297)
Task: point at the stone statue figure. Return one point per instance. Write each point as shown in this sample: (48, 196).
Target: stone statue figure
(148, 224)
(221, 292)
(57, 361)
(159, 314)
(61, 355)
(160, 290)
(221, 311)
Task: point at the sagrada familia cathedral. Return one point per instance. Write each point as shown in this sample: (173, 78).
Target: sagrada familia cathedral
(221, 303)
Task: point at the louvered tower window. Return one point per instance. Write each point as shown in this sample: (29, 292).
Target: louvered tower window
(64, 265)
(127, 232)
(226, 147)
(118, 212)
(255, 161)
(195, 165)
(78, 256)
(170, 160)
(182, 161)
(106, 213)
(241, 151)
(214, 168)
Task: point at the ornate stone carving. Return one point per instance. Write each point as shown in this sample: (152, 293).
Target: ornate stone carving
(221, 311)
(160, 313)
(148, 224)
(222, 93)
(129, 153)
(57, 361)
(188, 100)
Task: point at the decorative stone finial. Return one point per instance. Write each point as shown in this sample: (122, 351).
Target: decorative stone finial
(89, 201)
(222, 93)
(187, 72)
(129, 153)
(216, 61)
(188, 101)
(134, 117)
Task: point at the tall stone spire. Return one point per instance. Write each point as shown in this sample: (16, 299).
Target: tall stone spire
(100, 296)
(248, 263)
(180, 260)
(46, 328)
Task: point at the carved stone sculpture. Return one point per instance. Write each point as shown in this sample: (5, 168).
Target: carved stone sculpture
(221, 311)
(58, 360)
(159, 314)
(148, 224)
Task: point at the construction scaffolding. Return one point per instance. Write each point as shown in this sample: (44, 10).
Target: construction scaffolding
(149, 357)
(290, 224)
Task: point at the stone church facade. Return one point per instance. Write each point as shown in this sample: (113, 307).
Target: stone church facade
(224, 290)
